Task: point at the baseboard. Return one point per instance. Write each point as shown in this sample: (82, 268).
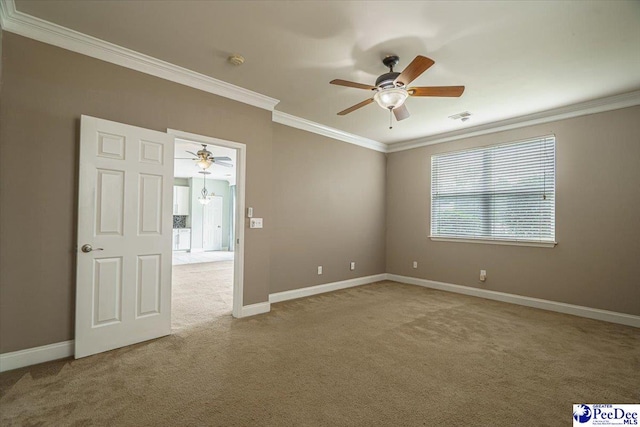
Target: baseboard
(560, 307)
(253, 309)
(327, 287)
(47, 353)
(33, 356)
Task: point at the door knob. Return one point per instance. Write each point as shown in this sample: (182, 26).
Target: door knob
(87, 248)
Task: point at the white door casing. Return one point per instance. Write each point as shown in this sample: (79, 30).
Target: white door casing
(125, 204)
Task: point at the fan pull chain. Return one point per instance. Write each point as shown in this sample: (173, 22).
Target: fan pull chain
(390, 119)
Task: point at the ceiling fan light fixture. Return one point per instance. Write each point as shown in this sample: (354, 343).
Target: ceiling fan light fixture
(204, 163)
(205, 196)
(392, 98)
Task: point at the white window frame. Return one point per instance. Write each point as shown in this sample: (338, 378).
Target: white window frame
(494, 241)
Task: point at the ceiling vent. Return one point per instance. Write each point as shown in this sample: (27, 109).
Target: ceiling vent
(464, 116)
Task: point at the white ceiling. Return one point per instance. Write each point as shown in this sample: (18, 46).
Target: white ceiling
(515, 58)
(187, 168)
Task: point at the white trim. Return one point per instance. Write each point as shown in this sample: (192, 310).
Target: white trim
(327, 287)
(7, 8)
(600, 105)
(560, 307)
(35, 355)
(254, 309)
(46, 353)
(320, 129)
(241, 176)
(496, 242)
(38, 29)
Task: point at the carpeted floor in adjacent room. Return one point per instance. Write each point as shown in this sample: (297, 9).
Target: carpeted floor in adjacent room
(200, 293)
(384, 354)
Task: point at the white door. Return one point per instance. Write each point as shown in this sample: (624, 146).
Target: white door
(123, 283)
(212, 229)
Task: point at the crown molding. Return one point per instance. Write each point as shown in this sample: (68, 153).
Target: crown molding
(320, 129)
(600, 105)
(29, 26)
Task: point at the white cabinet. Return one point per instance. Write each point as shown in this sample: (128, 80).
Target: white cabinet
(176, 236)
(184, 239)
(181, 239)
(180, 200)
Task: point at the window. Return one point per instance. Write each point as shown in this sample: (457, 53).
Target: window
(502, 193)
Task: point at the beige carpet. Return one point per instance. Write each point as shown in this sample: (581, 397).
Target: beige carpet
(201, 292)
(384, 354)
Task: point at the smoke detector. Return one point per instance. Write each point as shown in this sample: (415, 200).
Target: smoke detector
(463, 117)
(236, 59)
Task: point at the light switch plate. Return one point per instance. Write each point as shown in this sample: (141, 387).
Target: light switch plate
(249, 212)
(255, 223)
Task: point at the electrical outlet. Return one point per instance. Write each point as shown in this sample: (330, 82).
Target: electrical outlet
(483, 275)
(352, 266)
(415, 264)
(319, 270)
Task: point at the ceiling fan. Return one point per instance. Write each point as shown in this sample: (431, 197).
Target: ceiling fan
(205, 158)
(391, 91)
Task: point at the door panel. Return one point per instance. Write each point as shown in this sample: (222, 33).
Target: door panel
(149, 285)
(110, 200)
(107, 291)
(150, 202)
(123, 285)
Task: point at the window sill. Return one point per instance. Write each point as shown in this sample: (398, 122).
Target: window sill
(496, 242)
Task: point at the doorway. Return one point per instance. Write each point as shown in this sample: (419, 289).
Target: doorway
(207, 271)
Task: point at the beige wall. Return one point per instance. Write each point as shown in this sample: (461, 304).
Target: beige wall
(328, 209)
(597, 260)
(44, 92)
(323, 201)
(329, 196)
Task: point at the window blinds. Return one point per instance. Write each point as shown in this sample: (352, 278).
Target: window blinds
(502, 192)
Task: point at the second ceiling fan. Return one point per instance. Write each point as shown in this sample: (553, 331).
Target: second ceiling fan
(204, 158)
(391, 91)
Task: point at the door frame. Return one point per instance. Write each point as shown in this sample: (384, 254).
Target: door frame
(241, 167)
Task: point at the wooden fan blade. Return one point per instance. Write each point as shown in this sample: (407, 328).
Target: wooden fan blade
(226, 165)
(223, 158)
(418, 66)
(351, 84)
(453, 91)
(355, 107)
(401, 112)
